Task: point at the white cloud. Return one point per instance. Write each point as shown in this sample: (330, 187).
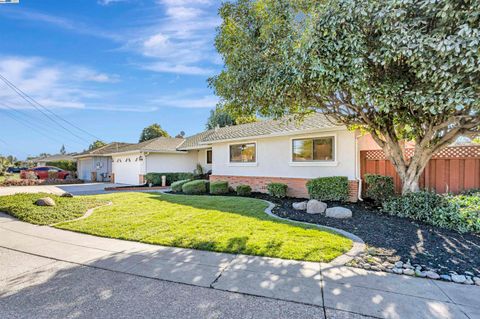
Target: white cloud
(107, 2)
(54, 85)
(187, 99)
(180, 43)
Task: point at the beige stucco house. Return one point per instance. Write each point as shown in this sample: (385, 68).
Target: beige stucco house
(257, 153)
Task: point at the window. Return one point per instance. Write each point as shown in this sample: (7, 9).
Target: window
(243, 153)
(209, 156)
(313, 149)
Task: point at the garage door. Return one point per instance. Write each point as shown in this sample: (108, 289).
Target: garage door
(126, 170)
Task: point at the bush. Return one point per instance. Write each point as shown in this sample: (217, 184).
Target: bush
(277, 189)
(379, 187)
(177, 186)
(219, 187)
(52, 175)
(156, 178)
(328, 188)
(243, 190)
(460, 212)
(199, 186)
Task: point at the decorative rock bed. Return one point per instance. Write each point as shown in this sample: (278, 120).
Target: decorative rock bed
(314, 206)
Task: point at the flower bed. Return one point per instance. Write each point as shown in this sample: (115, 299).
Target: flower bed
(35, 182)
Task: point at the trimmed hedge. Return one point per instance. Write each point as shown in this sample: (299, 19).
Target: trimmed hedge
(277, 189)
(379, 187)
(457, 212)
(333, 188)
(177, 186)
(199, 186)
(244, 190)
(156, 178)
(219, 187)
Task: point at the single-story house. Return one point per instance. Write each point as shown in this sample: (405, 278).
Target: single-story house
(96, 165)
(255, 154)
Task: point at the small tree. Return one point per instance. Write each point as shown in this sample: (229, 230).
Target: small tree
(62, 150)
(96, 144)
(151, 132)
(180, 135)
(399, 70)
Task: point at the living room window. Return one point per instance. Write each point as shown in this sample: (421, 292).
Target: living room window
(243, 153)
(316, 149)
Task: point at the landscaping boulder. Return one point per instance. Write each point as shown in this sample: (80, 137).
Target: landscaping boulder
(316, 207)
(46, 201)
(67, 194)
(339, 212)
(300, 205)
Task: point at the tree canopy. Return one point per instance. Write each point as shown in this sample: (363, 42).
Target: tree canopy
(152, 131)
(96, 144)
(221, 117)
(396, 69)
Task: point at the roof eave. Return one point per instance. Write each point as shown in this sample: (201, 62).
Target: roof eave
(287, 133)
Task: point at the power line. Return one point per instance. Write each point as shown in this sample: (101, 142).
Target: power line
(30, 126)
(34, 103)
(28, 119)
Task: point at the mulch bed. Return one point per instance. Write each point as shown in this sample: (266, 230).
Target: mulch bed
(393, 238)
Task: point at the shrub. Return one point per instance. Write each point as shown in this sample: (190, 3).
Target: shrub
(52, 175)
(328, 188)
(156, 178)
(199, 186)
(277, 189)
(460, 212)
(379, 187)
(243, 190)
(177, 186)
(219, 187)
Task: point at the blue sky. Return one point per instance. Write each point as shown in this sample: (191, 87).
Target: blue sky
(111, 67)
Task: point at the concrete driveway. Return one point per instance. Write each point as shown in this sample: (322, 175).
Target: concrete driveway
(51, 273)
(75, 189)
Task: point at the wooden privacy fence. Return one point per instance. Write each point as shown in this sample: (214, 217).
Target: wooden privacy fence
(453, 169)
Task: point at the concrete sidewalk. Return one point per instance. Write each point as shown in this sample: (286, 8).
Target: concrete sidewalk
(358, 291)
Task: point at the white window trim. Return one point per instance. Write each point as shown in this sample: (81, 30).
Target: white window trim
(315, 163)
(206, 156)
(239, 164)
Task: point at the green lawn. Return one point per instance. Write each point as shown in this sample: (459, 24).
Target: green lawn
(22, 206)
(224, 224)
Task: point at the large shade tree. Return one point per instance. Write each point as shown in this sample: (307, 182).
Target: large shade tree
(399, 70)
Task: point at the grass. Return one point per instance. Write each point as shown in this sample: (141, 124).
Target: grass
(223, 224)
(22, 207)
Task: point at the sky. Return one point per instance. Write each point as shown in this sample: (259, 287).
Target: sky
(104, 69)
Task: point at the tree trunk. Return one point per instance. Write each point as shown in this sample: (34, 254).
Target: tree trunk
(410, 184)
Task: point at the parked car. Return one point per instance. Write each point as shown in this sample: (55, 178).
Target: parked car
(14, 170)
(42, 172)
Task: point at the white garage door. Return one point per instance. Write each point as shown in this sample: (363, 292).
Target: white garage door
(126, 169)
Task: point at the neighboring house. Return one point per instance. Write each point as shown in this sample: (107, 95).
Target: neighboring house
(42, 161)
(96, 165)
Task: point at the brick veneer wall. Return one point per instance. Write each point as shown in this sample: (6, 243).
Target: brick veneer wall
(296, 186)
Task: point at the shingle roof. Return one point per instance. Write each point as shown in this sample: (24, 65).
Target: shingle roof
(195, 140)
(159, 144)
(104, 150)
(270, 127)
